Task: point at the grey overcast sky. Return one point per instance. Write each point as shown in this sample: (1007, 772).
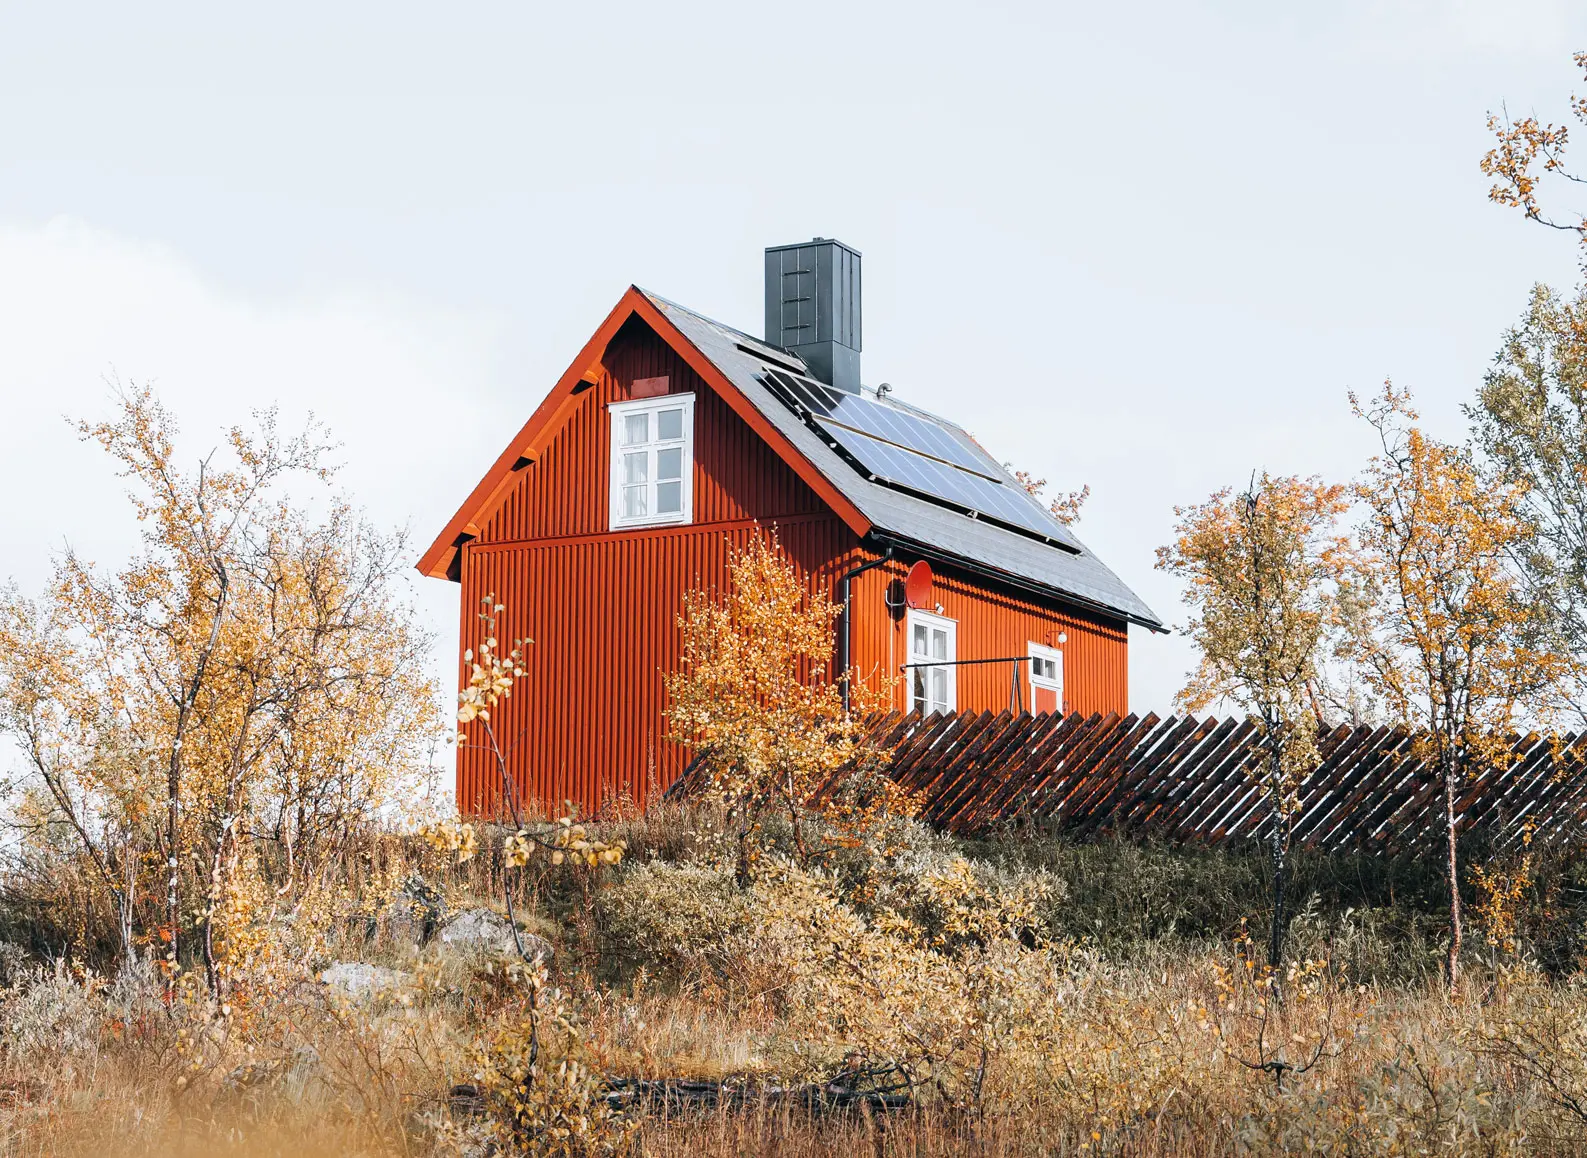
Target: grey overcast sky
(1143, 247)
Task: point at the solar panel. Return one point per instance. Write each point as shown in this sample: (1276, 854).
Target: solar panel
(942, 482)
(914, 453)
(888, 423)
(798, 394)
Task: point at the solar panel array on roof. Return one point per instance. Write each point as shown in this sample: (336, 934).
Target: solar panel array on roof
(887, 423)
(911, 452)
(898, 513)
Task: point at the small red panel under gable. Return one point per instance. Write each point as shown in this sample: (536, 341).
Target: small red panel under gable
(649, 387)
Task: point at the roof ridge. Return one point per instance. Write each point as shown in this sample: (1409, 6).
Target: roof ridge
(710, 321)
(882, 399)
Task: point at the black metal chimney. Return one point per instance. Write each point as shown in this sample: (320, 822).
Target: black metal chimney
(813, 307)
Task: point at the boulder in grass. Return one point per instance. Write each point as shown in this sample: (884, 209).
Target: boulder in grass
(361, 981)
(485, 932)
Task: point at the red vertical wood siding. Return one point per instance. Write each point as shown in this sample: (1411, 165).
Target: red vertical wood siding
(994, 623)
(586, 723)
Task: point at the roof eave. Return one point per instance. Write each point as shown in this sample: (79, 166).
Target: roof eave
(1023, 583)
(464, 525)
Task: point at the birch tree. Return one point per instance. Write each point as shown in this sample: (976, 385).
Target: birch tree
(1260, 568)
(250, 675)
(1530, 421)
(1442, 626)
(757, 698)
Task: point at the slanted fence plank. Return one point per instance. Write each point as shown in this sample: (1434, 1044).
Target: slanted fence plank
(1189, 781)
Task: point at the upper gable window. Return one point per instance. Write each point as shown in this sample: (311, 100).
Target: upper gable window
(652, 455)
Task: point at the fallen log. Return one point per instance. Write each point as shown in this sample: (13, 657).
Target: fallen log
(878, 1090)
(657, 1095)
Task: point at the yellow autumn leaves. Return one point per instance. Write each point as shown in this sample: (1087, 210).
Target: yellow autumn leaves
(490, 674)
(1422, 613)
(234, 699)
(757, 700)
(1527, 152)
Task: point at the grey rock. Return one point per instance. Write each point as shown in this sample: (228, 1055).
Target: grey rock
(483, 931)
(361, 980)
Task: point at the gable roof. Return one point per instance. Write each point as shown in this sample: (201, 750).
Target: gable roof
(734, 364)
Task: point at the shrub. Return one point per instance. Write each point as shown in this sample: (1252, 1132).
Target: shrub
(51, 1012)
(673, 917)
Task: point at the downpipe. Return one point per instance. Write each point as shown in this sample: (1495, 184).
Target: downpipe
(843, 629)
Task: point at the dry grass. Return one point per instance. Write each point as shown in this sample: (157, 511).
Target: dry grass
(1406, 1072)
(1158, 1050)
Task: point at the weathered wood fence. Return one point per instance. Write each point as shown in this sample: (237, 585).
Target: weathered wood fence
(1189, 781)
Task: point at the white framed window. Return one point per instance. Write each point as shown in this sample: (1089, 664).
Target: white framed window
(1046, 679)
(652, 461)
(933, 641)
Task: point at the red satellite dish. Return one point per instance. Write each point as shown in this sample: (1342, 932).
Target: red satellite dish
(917, 587)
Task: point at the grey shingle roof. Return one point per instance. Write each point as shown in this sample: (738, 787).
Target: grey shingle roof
(899, 516)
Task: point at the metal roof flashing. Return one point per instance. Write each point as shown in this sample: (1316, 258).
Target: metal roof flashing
(1064, 567)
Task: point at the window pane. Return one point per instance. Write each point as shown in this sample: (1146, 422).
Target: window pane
(939, 645)
(669, 424)
(669, 498)
(635, 468)
(634, 502)
(636, 429)
(920, 648)
(919, 677)
(669, 463)
(939, 688)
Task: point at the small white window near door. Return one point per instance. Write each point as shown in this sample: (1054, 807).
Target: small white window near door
(652, 459)
(933, 641)
(1046, 679)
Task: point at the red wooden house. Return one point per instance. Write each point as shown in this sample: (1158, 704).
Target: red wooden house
(672, 436)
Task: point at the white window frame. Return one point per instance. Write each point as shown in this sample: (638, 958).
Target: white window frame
(618, 412)
(939, 622)
(1041, 651)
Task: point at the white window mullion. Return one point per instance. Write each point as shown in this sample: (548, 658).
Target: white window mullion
(652, 459)
(933, 646)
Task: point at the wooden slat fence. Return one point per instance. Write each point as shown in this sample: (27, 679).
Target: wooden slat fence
(1190, 781)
